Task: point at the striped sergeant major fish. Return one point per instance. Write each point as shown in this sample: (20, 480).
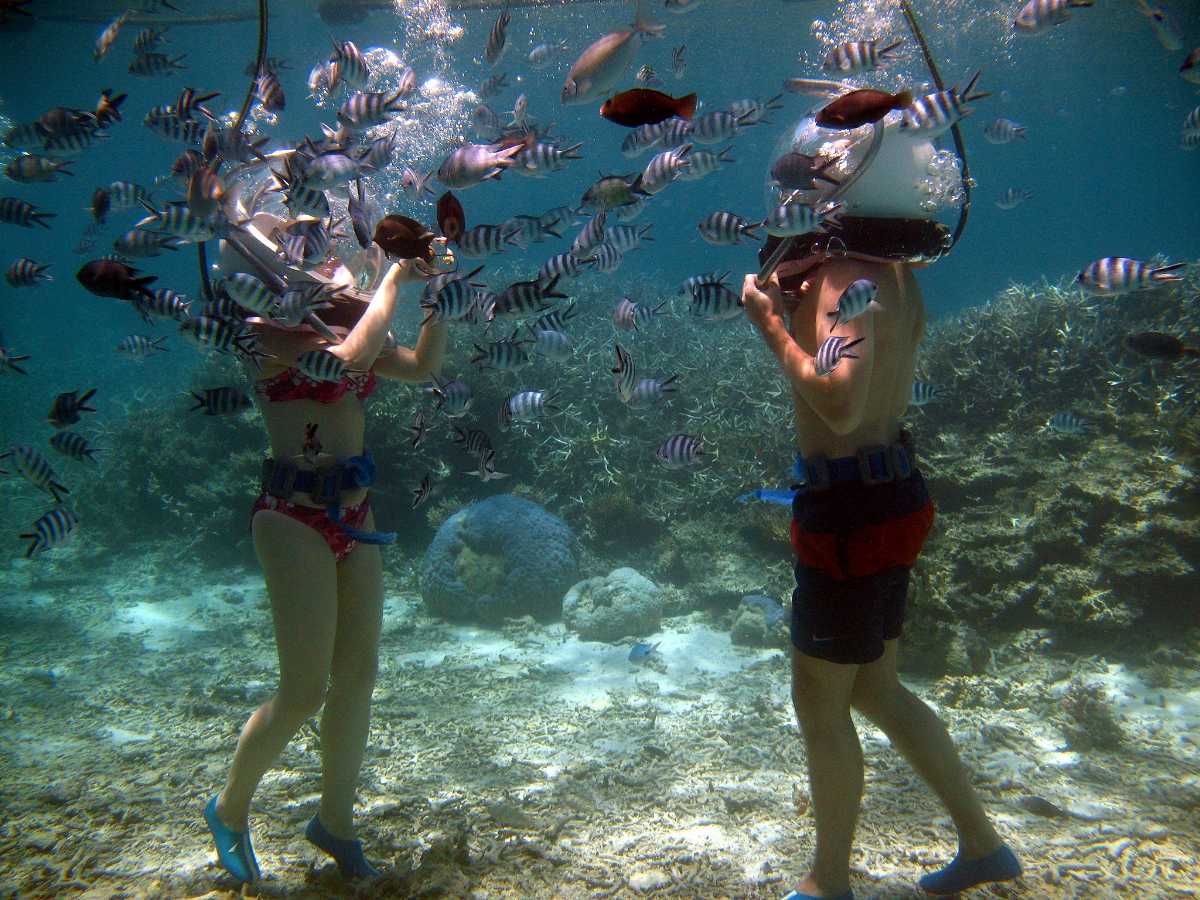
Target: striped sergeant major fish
(504, 354)
(191, 100)
(607, 258)
(702, 163)
(1114, 275)
(722, 125)
(924, 392)
(627, 237)
(139, 346)
(349, 66)
(487, 467)
(855, 300)
(23, 213)
(1038, 15)
(250, 293)
(1191, 122)
(535, 161)
(52, 530)
(367, 108)
(422, 491)
(139, 244)
(563, 265)
(25, 272)
(163, 304)
(933, 114)
(172, 128)
(68, 405)
(858, 56)
(213, 333)
(526, 406)
(551, 343)
(832, 351)
(715, 302)
(678, 60)
(641, 139)
(177, 221)
(72, 444)
(629, 314)
(1011, 198)
(1067, 423)
(220, 401)
(689, 284)
(524, 297)
(498, 38)
(680, 450)
(29, 168)
(624, 374)
(485, 240)
(474, 440)
(723, 228)
(556, 319)
(36, 469)
(1003, 131)
(148, 39)
(751, 111)
(268, 91)
(321, 365)
(417, 430)
(662, 169)
(794, 217)
(453, 396)
(152, 65)
(591, 236)
(650, 390)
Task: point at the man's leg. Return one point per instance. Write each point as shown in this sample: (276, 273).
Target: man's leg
(821, 695)
(920, 736)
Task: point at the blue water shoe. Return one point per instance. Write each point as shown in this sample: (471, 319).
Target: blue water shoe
(347, 854)
(235, 853)
(999, 865)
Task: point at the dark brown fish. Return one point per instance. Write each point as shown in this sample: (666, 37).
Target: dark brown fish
(110, 278)
(101, 203)
(404, 238)
(67, 407)
(861, 107)
(452, 219)
(1157, 345)
(642, 106)
(799, 171)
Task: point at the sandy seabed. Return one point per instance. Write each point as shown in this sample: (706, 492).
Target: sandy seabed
(526, 763)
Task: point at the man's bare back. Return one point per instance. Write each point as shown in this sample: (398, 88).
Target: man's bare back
(860, 403)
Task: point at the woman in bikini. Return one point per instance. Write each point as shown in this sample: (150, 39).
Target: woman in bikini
(314, 536)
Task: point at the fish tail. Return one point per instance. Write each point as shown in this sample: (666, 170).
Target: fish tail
(571, 152)
(1168, 273)
(723, 158)
(905, 98)
(199, 401)
(33, 544)
(970, 94)
(686, 107)
(1191, 351)
(884, 51)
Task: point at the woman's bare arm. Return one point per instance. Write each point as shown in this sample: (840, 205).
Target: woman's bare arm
(362, 345)
(407, 364)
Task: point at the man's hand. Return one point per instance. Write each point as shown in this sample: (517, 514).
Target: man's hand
(762, 306)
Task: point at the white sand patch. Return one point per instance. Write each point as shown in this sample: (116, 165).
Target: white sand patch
(165, 624)
(1144, 708)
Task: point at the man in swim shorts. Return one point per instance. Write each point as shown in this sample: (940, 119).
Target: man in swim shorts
(861, 516)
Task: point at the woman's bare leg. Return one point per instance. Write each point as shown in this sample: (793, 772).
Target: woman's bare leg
(347, 716)
(302, 584)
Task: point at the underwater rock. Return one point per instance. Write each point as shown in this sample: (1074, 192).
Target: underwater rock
(500, 558)
(750, 629)
(624, 603)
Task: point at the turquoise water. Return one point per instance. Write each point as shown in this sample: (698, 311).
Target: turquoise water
(1103, 105)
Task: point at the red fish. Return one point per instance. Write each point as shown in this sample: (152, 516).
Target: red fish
(404, 238)
(861, 107)
(451, 217)
(110, 278)
(642, 106)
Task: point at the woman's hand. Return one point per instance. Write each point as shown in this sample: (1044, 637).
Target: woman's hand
(762, 306)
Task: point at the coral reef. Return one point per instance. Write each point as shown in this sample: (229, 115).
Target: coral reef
(623, 603)
(499, 558)
(1091, 722)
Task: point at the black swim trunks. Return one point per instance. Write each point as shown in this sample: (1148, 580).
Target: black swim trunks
(855, 545)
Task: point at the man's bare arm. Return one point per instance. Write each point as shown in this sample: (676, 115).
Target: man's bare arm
(839, 398)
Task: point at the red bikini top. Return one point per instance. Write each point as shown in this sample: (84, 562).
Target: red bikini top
(292, 384)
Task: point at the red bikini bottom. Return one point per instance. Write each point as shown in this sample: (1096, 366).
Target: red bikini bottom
(340, 543)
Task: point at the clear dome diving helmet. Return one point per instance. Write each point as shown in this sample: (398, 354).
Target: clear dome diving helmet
(889, 186)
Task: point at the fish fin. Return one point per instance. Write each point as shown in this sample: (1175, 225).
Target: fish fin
(686, 106)
(199, 401)
(902, 99)
(970, 94)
